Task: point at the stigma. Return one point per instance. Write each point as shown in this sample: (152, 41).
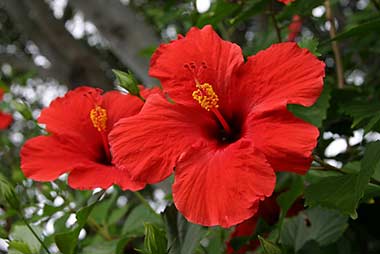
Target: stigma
(98, 116)
(206, 96)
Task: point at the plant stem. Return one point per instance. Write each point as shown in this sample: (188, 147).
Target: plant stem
(144, 202)
(334, 45)
(276, 26)
(325, 165)
(101, 230)
(33, 232)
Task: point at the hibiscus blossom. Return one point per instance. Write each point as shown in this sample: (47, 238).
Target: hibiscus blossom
(78, 125)
(5, 119)
(229, 128)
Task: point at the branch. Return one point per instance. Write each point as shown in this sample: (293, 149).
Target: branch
(126, 31)
(72, 62)
(334, 45)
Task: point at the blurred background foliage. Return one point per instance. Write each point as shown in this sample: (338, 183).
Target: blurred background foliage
(50, 46)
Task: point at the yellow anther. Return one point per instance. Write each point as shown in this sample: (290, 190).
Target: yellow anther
(98, 117)
(206, 96)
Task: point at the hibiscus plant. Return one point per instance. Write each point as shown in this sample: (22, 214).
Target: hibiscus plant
(257, 131)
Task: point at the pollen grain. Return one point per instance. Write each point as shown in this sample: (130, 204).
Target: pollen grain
(98, 117)
(206, 96)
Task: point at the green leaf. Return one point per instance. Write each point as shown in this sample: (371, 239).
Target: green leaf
(7, 193)
(316, 113)
(359, 30)
(155, 240)
(219, 11)
(269, 247)
(318, 224)
(365, 114)
(311, 44)
(345, 191)
(21, 233)
(184, 237)
(134, 224)
(67, 241)
(128, 81)
(16, 247)
(101, 247)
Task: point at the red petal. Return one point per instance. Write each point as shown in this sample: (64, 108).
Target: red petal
(286, 141)
(45, 158)
(279, 75)
(94, 175)
(149, 143)
(70, 116)
(5, 120)
(71, 113)
(121, 105)
(199, 46)
(222, 186)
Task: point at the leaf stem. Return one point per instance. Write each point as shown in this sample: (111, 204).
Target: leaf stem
(334, 45)
(325, 165)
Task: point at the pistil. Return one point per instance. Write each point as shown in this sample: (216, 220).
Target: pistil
(208, 100)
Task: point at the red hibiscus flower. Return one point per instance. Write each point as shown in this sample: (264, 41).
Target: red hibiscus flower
(228, 130)
(5, 119)
(79, 124)
(294, 27)
(269, 211)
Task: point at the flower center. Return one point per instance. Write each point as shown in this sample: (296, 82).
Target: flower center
(98, 116)
(206, 96)
(208, 100)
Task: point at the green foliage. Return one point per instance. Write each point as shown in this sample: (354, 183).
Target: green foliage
(24, 241)
(155, 240)
(311, 44)
(316, 224)
(316, 113)
(359, 30)
(269, 247)
(343, 192)
(128, 82)
(134, 224)
(67, 241)
(365, 114)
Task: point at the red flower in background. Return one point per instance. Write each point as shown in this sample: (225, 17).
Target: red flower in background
(269, 211)
(294, 27)
(79, 124)
(286, 1)
(229, 129)
(5, 119)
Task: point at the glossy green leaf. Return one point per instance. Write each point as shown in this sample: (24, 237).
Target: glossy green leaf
(311, 44)
(365, 114)
(359, 30)
(269, 247)
(319, 224)
(134, 224)
(67, 241)
(155, 241)
(344, 192)
(22, 233)
(316, 113)
(16, 247)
